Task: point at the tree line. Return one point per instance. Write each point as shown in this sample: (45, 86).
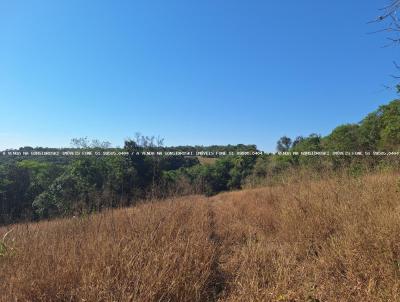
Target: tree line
(378, 131)
(33, 188)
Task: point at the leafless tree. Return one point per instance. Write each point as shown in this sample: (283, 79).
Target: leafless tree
(391, 25)
(389, 17)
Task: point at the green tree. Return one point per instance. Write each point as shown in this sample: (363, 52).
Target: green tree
(344, 138)
(390, 121)
(283, 144)
(370, 131)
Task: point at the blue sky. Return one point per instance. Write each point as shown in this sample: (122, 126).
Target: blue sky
(194, 72)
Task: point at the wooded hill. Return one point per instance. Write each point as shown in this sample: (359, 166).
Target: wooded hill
(37, 187)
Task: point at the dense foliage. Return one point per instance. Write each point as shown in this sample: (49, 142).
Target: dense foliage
(378, 135)
(44, 187)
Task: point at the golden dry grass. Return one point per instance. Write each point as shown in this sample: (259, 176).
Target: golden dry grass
(206, 160)
(330, 240)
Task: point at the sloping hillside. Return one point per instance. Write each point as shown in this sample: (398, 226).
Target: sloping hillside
(331, 240)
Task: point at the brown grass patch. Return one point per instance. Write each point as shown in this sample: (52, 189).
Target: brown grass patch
(330, 240)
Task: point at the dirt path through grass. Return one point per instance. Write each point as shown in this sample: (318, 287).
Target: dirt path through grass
(218, 277)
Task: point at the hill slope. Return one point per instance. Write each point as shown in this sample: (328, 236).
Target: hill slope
(331, 240)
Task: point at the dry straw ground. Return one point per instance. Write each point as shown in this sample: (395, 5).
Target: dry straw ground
(329, 240)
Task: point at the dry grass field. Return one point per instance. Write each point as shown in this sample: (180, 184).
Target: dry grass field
(335, 239)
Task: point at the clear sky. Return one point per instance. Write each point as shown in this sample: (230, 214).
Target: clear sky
(194, 72)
